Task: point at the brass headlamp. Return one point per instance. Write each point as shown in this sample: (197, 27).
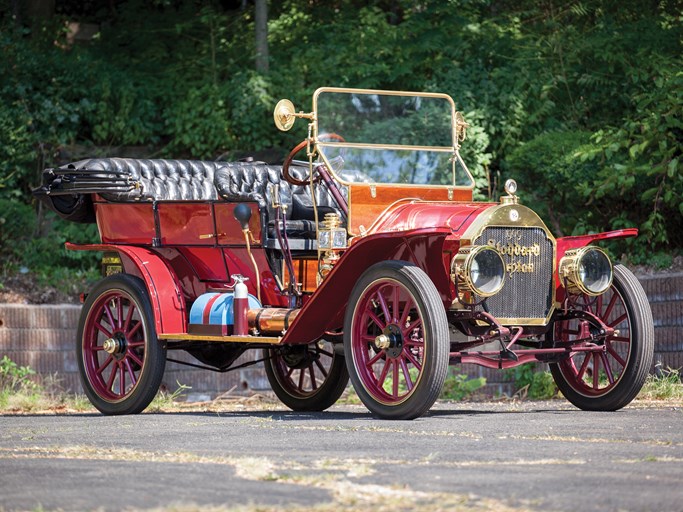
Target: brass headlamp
(587, 270)
(478, 269)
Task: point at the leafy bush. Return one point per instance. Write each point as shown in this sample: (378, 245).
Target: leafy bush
(533, 384)
(461, 387)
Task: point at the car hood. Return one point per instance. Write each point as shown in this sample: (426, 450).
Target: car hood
(417, 214)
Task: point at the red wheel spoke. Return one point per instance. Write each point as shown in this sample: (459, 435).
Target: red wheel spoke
(122, 380)
(394, 383)
(618, 320)
(129, 316)
(130, 333)
(409, 330)
(136, 344)
(321, 368)
(110, 316)
(105, 364)
(406, 374)
(97, 348)
(314, 384)
(377, 321)
(611, 304)
(375, 359)
(608, 369)
(104, 331)
(622, 339)
(290, 372)
(131, 374)
(119, 313)
(396, 302)
(328, 354)
(383, 374)
(406, 311)
(412, 359)
(302, 375)
(584, 367)
(135, 358)
(615, 355)
(112, 376)
(385, 307)
(596, 371)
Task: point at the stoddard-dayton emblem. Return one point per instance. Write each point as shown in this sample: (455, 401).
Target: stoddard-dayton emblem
(518, 257)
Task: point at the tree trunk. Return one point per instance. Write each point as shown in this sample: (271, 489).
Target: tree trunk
(36, 10)
(261, 18)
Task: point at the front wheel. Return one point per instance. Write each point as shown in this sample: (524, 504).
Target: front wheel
(609, 380)
(306, 377)
(120, 360)
(396, 340)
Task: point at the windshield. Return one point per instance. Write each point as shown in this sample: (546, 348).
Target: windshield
(389, 137)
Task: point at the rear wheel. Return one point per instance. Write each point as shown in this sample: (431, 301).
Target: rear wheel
(609, 380)
(396, 340)
(120, 360)
(306, 377)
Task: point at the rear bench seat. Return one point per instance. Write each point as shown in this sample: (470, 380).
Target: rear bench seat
(193, 180)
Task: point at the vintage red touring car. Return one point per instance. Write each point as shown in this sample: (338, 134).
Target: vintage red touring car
(366, 259)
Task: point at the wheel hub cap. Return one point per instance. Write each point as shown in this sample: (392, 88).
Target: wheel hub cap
(391, 340)
(113, 345)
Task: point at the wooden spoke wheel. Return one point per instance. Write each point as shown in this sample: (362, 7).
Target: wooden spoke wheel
(306, 377)
(121, 361)
(396, 340)
(610, 379)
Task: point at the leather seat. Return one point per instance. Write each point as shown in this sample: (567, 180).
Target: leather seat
(160, 180)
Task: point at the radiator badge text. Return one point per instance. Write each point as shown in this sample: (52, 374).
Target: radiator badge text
(518, 257)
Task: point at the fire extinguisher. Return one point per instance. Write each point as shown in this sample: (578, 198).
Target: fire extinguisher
(241, 305)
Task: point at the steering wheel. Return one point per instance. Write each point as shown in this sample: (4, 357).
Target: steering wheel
(288, 161)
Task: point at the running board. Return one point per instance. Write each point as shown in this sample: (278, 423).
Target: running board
(225, 339)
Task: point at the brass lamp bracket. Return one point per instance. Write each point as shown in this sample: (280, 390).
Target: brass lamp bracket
(285, 114)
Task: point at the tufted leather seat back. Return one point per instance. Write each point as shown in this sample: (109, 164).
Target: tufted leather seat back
(161, 180)
(253, 181)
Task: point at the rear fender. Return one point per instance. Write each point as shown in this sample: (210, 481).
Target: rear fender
(162, 284)
(325, 310)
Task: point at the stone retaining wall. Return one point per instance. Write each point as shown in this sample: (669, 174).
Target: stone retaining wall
(43, 337)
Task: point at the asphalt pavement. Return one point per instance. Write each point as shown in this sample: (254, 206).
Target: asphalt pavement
(462, 456)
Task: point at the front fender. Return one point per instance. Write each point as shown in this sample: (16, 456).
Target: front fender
(162, 284)
(574, 242)
(325, 309)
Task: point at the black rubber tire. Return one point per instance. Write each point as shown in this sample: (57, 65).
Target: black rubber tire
(640, 358)
(435, 335)
(325, 396)
(154, 362)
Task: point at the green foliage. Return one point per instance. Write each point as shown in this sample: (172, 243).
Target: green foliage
(164, 400)
(14, 377)
(665, 384)
(461, 387)
(37, 243)
(580, 101)
(533, 384)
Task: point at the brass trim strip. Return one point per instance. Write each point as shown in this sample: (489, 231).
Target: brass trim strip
(228, 339)
(368, 145)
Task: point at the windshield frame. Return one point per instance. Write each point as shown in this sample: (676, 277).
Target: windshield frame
(453, 149)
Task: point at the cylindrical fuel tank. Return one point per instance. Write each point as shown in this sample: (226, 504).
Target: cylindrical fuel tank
(271, 320)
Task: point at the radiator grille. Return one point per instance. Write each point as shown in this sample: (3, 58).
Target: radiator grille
(528, 254)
